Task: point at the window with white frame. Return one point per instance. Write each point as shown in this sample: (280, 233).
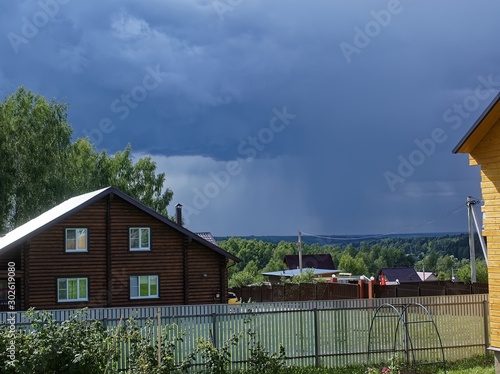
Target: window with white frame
(139, 239)
(72, 289)
(144, 286)
(76, 240)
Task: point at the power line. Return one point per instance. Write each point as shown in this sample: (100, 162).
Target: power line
(449, 213)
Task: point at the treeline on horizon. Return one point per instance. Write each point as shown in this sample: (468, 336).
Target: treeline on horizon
(338, 239)
(447, 256)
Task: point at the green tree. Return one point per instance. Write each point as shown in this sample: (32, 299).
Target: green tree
(139, 180)
(90, 170)
(464, 273)
(277, 260)
(352, 265)
(248, 250)
(40, 167)
(445, 266)
(249, 275)
(431, 260)
(34, 141)
(86, 169)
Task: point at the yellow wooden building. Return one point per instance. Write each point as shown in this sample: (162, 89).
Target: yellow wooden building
(482, 143)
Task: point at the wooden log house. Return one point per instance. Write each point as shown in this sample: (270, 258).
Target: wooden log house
(482, 143)
(105, 249)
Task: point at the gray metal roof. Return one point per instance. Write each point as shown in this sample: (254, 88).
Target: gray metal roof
(61, 211)
(208, 237)
(294, 272)
(45, 219)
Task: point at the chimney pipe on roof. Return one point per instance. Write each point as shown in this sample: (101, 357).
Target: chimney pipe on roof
(178, 214)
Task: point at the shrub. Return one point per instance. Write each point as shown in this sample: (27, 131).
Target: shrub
(217, 360)
(143, 357)
(76, 346)
(261, 361)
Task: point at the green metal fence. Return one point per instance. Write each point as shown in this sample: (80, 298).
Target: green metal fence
(330, 333)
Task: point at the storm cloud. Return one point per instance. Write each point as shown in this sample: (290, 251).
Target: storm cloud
(331, 117)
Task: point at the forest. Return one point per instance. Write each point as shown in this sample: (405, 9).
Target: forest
(446, 255)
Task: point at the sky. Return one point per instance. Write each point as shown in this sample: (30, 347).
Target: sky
(269, 117)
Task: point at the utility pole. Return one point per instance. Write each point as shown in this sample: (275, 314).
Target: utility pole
(470, 203)
(300, 252)
(479, 232)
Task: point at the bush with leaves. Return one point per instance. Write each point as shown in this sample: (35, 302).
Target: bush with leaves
(217, 360)
(307, 276)
(76, 346)
(82, 346)
(143, 358)
(261, 361)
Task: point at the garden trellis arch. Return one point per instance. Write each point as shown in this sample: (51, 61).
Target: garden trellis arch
(410, 323)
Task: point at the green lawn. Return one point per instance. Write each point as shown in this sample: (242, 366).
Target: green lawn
(343, 336)
(339, 335)
(474, 365)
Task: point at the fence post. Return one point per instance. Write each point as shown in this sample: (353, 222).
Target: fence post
(405, 326)
(486, 327)
(158, 335)
(214, 329)
(371, 294)
(316, 338)
(361, 289)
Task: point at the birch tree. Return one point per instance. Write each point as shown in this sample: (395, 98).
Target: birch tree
(40, 167)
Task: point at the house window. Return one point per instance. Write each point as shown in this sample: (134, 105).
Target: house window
(76, 240)
(139, 239)
(144, 286)
(72, 289)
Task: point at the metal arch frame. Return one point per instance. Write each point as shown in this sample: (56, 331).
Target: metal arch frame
(408, 344)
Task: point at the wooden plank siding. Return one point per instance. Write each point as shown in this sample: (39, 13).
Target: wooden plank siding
(487, 155)
(179, 261)
(166, 251)
(48, 260)
(205, 276)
